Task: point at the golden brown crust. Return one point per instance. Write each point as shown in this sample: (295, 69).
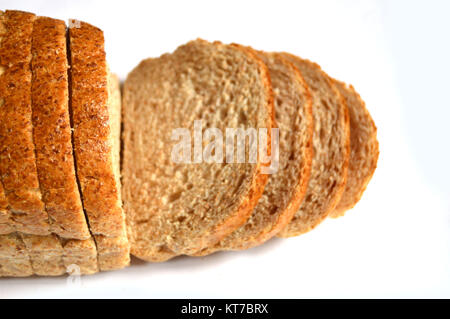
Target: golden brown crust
(364, 149)
(17, 158)
(308, 220)
(52, 132)
(92, 131)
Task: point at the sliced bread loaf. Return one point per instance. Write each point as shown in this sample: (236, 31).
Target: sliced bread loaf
(286, 188)
(364, 149)
(96, 142)
(331, 143)
(173, 206)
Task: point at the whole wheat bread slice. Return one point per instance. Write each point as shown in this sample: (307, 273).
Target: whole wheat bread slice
(173, 207)
(52, 131)
(96, 142)
(286, 188)
(17, 157)
(54, 152)
(363, 146)
(331, 143)
(17, 154)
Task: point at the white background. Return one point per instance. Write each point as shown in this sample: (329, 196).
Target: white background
(396, 242)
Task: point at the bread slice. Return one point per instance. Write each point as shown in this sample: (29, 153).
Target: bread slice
(364, 149)
(114, 252)
(14, 259)
(54, 154)
(17, 154)
(17, 157)
(52, 131)
(331, 143)
(175, 207)
(94, 112)
(286, 188)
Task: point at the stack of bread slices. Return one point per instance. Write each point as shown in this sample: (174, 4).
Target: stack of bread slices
(88, 178)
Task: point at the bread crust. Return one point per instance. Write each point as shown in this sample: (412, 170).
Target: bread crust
(17, 158)
(92, 131)
(364, 149)
(305, 221)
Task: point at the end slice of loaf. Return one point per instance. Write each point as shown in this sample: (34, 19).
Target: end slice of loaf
(286, 188)
(331, 143)
(364, 149)
(178, 208)
(95, 106)
(17, 157)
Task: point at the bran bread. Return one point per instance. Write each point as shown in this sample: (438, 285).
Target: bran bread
(114, 252)
(54, 154)
(95, 108)
(331, 143)
(52, 131)
(285, 190)
(14, 259)
(17, 157)
(93, 140)
(173, 207)
(17, 154)
(363, 146)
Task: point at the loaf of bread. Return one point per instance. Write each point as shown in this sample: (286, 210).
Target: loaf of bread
(69, 151)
